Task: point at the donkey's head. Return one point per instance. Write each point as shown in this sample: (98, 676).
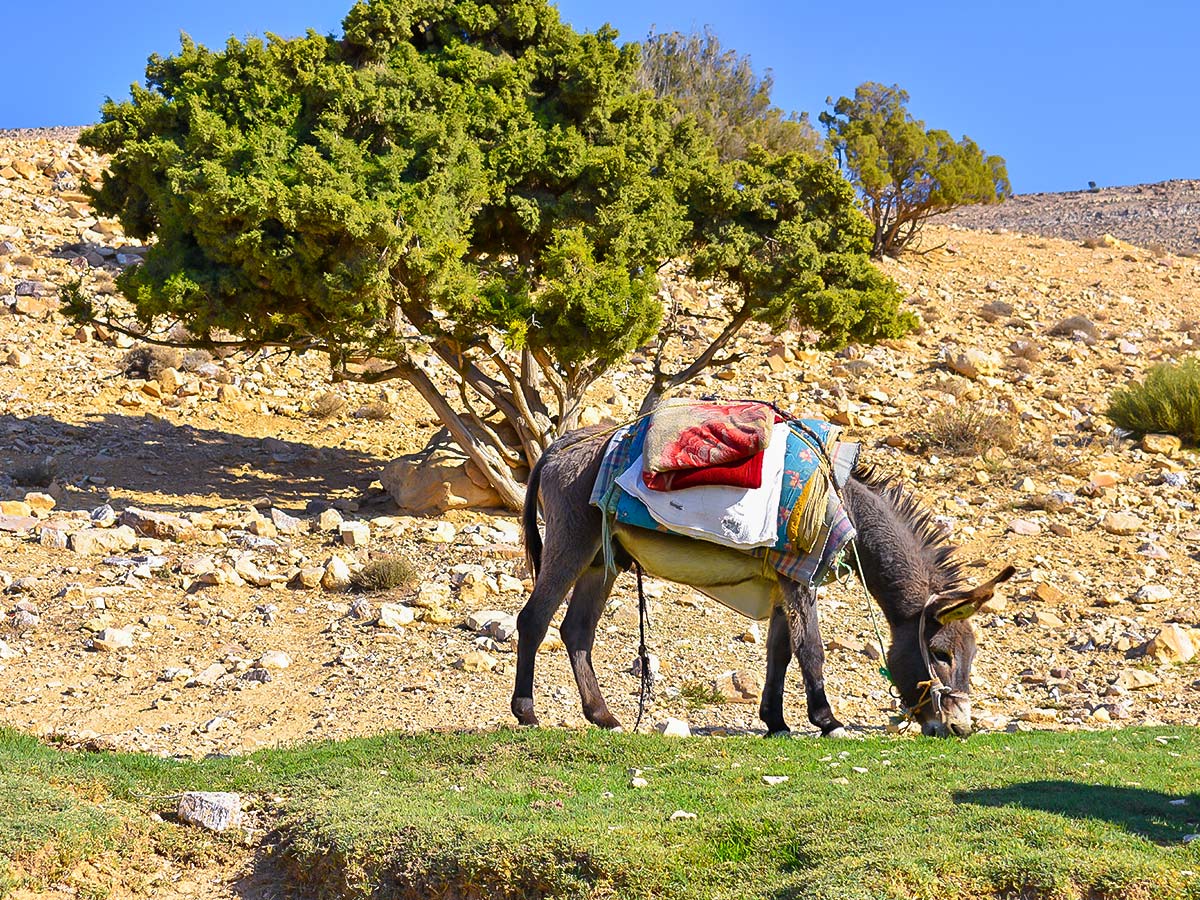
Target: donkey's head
(931, 656)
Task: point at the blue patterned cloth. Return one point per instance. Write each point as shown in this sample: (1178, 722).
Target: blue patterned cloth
(812, 448)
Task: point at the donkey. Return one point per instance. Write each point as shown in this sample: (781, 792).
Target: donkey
(907, 568)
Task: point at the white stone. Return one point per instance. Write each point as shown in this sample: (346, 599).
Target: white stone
(214, 810)
(675, 728)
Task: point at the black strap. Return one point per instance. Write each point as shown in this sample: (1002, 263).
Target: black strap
(647, 680)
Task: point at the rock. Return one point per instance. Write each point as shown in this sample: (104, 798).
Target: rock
(738, 687)
(1101, 714)
(111, 639)
(638, 782)
(849, 645)
(675, 728)
(1166, 444)
(337, 575)
(488, 620)
(774, 780)
(17, 524)
(286, 524)
(1122, 523)
(103, 516)
(102, 542)
(438, 478)
(19, 359)
(214, 810)
(1048, 593)
(1171, 645)
(972, 363)
(1153, 593)
(274, 659)
(477, 661)
(40, 502)
(355, 535)
(395, 615)
(208, 677)
(329, 520)
(1136, 679)
(1047, 619)
(1024, 526)
(158, 525)
(441, 533)
(15, 508)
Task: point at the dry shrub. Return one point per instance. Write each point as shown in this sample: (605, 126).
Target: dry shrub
(384, 574)
(1094, 243)
(967, 429)
(326, 405)
(194, 359)
(376, 411)
(147, 361)
(1166, 402)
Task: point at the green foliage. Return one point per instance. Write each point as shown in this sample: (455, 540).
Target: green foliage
(552, 813)
(785, 230)
(904, 172)
(468, 184)
(1166, 402)
(719, 89)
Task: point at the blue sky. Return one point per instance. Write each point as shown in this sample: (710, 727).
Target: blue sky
(1068, 92)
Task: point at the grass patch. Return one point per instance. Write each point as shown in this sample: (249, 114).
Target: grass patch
(1166, 402)
(384, 574)
(517, 814)
(700, 694)
(967, 429)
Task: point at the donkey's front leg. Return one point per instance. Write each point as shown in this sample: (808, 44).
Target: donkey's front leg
(779, 654)
(810, 654)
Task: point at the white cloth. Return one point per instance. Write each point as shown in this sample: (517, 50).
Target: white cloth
(743, 518)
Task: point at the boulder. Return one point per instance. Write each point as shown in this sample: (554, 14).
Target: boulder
(438, 478)
(1172, 644)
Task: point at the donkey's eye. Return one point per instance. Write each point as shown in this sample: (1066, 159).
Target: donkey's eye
(943, 657)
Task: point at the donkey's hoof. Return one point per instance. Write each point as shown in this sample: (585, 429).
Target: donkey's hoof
(522, 708)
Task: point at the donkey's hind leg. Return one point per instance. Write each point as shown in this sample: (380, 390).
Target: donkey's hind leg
(579, 634)
(564, 561)
(810, 654)
(779, 654)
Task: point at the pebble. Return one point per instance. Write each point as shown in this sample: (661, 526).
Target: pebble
(111, 639)
(675, 728)
(1122, 523)
(213, 810)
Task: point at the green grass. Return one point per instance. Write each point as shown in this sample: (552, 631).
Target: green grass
(1166, 402)
(551, 814)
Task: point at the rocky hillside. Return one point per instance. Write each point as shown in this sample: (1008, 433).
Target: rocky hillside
(178, 541)
(1159, 217)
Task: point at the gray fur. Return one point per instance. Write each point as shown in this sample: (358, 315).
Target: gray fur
(904, 563)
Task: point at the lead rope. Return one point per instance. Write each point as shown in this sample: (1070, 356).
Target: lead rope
(647, 679)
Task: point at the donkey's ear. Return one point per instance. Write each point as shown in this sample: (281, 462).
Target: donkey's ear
(964, 604)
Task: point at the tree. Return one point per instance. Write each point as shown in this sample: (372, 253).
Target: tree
(467, 195)
(720, 90)
(905, 173)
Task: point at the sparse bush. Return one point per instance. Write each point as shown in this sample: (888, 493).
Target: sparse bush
(35, 474)
(378, 411)
(148, 362)
(1166, 402)
(194, 359)
(967, 429)
(326, 405)
(699, 694)
(384, 574)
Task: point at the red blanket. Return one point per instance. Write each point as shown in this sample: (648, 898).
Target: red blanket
(745, 473)
(686, 434)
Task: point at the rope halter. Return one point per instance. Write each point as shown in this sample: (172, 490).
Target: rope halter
(934, 690)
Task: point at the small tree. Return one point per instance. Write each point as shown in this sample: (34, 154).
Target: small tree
(719, 89)
(467, 195)
(905, 173)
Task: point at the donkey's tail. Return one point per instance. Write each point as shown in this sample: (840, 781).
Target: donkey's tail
(529, 525)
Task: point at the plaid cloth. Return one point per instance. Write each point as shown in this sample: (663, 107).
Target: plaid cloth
(812, 446)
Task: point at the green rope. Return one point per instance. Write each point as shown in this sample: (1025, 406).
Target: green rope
(883, 669)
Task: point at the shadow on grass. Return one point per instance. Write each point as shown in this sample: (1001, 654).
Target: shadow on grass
(1137, 810)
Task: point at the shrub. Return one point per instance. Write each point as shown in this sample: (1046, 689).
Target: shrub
(699, 694)
(378, 411)
(1166, 402)
(147, 362)
(326, 405)
(967, 429)
(384, 574)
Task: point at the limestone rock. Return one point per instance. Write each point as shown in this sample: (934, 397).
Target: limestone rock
(111, 639)
(158, 525)
(1122, 523)
(1172, 645)
(435, 479)
(738, 687)
(395, 615)
(214, 810)
(1136, 679)
(102, 542)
